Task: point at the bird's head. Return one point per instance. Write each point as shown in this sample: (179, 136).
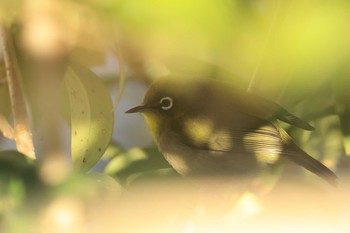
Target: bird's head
(165, 100)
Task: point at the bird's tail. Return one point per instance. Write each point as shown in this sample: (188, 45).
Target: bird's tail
(300, 157)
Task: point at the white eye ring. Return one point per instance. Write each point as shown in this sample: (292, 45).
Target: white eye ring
(170, 103)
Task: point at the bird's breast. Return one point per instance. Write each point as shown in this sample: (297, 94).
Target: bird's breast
(153, 124)
(203, 133)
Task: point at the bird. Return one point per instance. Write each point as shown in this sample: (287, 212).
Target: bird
(207, 127)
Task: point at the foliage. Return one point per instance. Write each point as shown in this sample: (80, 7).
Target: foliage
(293, 52)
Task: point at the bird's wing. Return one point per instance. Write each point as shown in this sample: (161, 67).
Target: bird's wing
(216, 154)
(283, 115)
(269, 142)
(262, 141)
(273, 110)
(265, 144)
(259, 107)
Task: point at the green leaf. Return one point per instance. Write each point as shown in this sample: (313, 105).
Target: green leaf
(325, 143)
(135, 161)
(91, 116)
(346, 142)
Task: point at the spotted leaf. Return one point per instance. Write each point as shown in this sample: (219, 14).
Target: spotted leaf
(91, 116)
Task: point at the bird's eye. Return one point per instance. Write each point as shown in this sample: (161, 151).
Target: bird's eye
(166, 103)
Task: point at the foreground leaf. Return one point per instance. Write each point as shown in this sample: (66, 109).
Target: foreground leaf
(91, 116)
(137, 161)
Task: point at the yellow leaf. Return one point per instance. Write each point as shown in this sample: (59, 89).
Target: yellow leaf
(91, 116)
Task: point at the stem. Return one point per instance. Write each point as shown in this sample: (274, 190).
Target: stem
(23, 135)
(3, 82)
(6, 128)
(121, 77)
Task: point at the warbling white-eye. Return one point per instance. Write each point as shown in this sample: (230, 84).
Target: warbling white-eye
(206, 127)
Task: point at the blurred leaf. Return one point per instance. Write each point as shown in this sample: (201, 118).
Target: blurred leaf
(88, 56)
(153, 175)
(88, 186)
(347, 145)
(294, 43)
(341, 89)
(194, 67)
(309, 103)
(136, 161)
(113, 150)
(91, 116)
(9, 10)
(105, 182)
(322, 47)
(325, 143)
(12, 194)
(14, 162)
(16, 171)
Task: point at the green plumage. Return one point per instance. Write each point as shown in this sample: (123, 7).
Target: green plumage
(206, 127)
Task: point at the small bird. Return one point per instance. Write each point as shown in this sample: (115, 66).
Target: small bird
(208, 127)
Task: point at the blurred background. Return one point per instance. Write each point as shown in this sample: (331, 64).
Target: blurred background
(63, 63)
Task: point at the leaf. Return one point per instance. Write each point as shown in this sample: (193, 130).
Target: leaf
(13, 162)
(326, 142)
(105, 182)
(135, 161)
(346, 142)
(88, 56)
(91, 116)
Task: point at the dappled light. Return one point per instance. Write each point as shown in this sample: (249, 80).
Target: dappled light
(244, 125)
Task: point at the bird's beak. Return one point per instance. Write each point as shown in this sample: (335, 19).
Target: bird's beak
(140, 108)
